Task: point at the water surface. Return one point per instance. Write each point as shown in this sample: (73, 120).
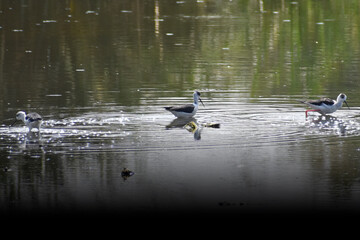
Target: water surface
(100, 74)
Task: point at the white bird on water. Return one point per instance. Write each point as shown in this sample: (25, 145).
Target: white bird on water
(326, 105)
(188, 110)
(31, 120)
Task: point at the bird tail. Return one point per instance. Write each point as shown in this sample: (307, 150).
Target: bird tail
(301, 101)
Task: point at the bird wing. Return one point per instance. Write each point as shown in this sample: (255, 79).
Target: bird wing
(184, 108)
(326, 101)
(33, 117)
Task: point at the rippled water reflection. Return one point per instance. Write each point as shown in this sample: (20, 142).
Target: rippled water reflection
(78, 159)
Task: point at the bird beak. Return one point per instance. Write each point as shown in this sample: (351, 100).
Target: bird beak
(13, 123)
(347, 104)
(201, 102)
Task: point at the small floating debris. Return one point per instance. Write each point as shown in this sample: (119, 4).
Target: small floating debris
(7, 169)
(212, 125)
(80, 70)
(125, 173)
(91, 12)
(169, 34)
(28, 51)
(18, 30)
(49, 21)
(53, 95)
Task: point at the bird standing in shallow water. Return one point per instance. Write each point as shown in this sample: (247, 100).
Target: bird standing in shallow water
(326, 105)
(31, 120)
(188, 110)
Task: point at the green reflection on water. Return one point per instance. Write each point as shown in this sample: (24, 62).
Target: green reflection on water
(112, 48)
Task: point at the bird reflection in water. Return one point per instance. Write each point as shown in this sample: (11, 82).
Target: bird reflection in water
(33, 136)
(189, 124)
(328, 122)
(32, 141)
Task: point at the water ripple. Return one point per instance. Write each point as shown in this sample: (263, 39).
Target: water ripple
(242, 124)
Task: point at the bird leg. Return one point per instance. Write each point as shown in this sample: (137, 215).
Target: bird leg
(311, 110)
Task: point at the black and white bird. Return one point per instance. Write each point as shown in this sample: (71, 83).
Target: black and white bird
(326, 105)
(188, 110)
(31, 120)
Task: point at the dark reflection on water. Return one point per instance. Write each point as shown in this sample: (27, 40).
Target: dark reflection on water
(100, 73)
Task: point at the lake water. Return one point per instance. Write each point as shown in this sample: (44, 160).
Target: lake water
(100, 73)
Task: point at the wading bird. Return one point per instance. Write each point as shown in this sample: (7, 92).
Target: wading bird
(31, 120)
(326, 105)
(188, 110)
